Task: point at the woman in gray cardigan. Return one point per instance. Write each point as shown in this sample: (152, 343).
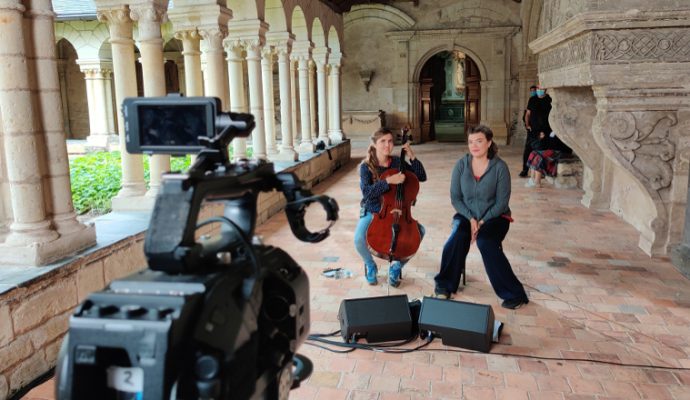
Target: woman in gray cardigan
(480, 191)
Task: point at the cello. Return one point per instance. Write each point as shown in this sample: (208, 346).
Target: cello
(393, 234)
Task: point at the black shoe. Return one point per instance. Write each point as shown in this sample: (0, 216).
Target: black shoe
(514, 304)
(441, 294)
(523, 174)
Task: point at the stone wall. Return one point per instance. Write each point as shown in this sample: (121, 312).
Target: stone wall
(35, 316)
(396, 42)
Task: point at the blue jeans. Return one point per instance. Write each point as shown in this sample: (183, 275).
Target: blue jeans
(489, 241)
(361, 240)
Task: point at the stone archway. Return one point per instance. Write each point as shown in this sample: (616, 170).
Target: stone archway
(449, 96)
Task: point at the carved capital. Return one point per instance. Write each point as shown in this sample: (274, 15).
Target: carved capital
(115, 16)
(189, 34)
(213, 37)
(151, 13)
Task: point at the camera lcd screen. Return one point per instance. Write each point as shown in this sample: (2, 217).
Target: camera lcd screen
(164, 125)
(171, 125)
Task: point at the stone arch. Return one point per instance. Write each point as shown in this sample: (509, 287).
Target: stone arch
(73, 91)
(298, 24)
(318, 36)
(483, 71)
(388, 14)
(333, 40)
(275, 16)
(246, 9)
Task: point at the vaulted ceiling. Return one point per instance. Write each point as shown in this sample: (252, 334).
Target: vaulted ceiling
(341, 6)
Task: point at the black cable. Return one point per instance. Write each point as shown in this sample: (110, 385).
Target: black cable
(386, 349)
(24, 390)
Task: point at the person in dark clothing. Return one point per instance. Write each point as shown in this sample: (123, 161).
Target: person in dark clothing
(537, 118)
(480, 192)
(378, 160)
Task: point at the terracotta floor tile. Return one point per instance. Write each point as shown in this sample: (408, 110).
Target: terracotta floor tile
(593, 294)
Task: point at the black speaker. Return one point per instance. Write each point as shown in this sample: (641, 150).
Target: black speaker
(458, 323)
(376, 319)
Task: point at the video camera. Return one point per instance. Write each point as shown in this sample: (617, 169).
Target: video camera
(214, 318)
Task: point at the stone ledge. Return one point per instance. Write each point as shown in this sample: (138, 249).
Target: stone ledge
(569, 173)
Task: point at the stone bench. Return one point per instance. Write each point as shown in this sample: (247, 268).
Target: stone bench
(569, 174)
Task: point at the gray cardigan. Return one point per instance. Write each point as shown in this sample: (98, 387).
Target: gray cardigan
(484, 199)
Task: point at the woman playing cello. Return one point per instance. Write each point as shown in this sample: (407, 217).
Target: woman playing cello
(378, 160)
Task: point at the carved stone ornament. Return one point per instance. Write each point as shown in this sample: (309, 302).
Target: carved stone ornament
(114, 16)
(641, 142)
(573, 52)
(655, 45)
(556, 12)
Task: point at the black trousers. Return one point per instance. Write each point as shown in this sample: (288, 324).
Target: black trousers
(528, 149)
(489, 241)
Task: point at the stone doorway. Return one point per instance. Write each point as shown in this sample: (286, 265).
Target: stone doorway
(449, 97)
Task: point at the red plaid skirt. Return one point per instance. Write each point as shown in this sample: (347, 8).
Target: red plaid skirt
(544, 161)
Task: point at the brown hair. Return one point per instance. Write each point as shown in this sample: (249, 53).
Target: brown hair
(489, 135)
(371, 161)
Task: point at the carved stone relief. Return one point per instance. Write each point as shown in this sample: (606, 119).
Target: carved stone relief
(573, 52)
(642, 45)
(556, 12)
(641, 142)
(619, 46)
(571, 117)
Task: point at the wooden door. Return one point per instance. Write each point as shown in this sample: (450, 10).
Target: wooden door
(473, 94)
(426, 112)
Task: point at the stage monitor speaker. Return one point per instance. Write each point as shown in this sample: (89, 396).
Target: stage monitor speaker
(458, 323)
(376, 319)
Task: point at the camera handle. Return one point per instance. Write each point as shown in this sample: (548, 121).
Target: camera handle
(170, 244)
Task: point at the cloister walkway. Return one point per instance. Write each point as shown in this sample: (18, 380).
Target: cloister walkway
(604, 321)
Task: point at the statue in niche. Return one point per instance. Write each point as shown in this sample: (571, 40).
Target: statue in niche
(455, 76)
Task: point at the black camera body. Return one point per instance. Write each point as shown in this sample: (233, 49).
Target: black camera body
(214, 318)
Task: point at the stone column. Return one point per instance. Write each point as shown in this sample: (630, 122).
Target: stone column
(306, 145)
(149, 17)
(63, 96)
(238, 97)
(30, 224)
(287, 150)
(215, 79)
(335, 132)
(192, 61)
(294, 102)
(268, 97)
(125, 79)
(321, 59)
(312, 102)
(58, 178)
(97, 76)
(256, 102)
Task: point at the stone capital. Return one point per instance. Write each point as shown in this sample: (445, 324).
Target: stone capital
(334, 59)
(117, 16)
(149, 17)
(281, 41)
(320, 55)
(96, 69)
(213, 37)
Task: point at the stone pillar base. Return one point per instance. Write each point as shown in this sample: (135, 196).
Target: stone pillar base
(107, 142)
(46, 253)
(680, 257)
(306, 147)
(286, 155)
(135, 203)
(336, 136)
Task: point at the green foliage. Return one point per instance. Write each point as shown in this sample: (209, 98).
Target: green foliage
(96, 179)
